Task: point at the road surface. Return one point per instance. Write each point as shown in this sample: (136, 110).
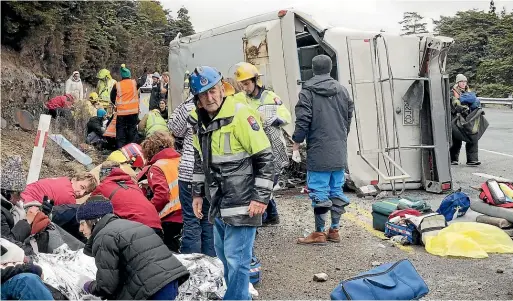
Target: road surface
(288, 268)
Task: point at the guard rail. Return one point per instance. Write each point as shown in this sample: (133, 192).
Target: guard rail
(497, 101)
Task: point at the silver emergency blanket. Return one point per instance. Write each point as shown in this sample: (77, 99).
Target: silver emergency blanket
(63, 269)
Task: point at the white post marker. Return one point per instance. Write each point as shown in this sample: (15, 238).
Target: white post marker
(39, 148)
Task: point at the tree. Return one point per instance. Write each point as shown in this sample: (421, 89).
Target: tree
(412, 24)
(492, 7)
(482, 50)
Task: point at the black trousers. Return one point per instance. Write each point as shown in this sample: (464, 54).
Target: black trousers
(470, 148)
(172, 235)
(126, 129)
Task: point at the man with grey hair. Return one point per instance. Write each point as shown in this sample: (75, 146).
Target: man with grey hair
(323, 117)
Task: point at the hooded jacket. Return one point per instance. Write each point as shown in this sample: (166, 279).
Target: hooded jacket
(74, 87)
(14, 233)
(159, 186)
(323, 117)
(13, 261)
(59, 190)
(128, 199)
(132, 260)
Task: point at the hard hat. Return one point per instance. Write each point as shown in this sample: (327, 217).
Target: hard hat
(228, 89)
(203, 79)
(93, 96)
(117, 156)
(247, 71)
(133, 152)
(103, 74)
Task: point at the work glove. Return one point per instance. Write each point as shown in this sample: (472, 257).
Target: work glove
(296, 156)
(18, 212)
(84, 282)
(47, 206)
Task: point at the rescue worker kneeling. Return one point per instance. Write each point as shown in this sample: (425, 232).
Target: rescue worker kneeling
(133, 263)
(152, 122)
(233, 169)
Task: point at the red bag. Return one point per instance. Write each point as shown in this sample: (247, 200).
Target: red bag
(403, 212)
(487, 197)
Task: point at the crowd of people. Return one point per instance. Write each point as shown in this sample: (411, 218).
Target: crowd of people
(154, 197)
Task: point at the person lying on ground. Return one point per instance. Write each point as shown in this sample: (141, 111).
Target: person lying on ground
(127, 198)
(61, 190)
(21, 279)
(36, 231)
(162, 175)
(133, 263)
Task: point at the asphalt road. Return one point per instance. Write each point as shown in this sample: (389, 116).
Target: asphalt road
(288, 268)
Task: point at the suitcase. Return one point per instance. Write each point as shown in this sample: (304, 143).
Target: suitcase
(381, 211)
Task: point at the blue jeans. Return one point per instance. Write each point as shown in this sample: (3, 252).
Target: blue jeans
(327, 195)
(168, 292)
(234, 247)
(25, 286)
(197, 235)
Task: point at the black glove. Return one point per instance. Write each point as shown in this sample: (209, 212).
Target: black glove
(47, 206)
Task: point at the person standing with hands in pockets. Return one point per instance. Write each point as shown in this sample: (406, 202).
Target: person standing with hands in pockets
(233, 169)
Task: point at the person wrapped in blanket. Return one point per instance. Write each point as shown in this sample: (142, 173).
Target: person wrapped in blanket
(463, 101)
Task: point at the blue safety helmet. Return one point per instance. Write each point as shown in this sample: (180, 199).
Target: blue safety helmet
(203, 79)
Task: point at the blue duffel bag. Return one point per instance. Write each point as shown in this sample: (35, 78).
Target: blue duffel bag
(390, 281)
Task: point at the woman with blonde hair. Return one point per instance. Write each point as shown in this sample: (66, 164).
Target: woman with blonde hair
(162, 175)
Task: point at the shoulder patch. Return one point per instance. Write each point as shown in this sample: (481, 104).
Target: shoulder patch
(253, 123)
(277, 101)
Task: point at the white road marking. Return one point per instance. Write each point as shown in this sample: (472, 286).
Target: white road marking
(497, 153)
(487, 176)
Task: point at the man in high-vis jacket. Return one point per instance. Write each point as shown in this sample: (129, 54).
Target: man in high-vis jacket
(274, 116)
(124, 95)
(233, 169)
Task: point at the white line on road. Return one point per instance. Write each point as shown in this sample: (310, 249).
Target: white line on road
(497, 153)
(487, 176)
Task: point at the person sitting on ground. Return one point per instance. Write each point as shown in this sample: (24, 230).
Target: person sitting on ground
(95, 129)
(60, 106)
(21, 279)
(127, 198)
(163, 109)
(152, 122)
(162, 175)
(133, 263)
(61, 190)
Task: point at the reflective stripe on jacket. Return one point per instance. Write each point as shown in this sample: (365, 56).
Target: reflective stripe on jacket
(233, 159)
(110, 131)
(127, 98)
(155, 123)
(170, 169)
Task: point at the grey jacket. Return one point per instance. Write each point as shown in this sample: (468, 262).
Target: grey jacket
(132, 260)
(323, 117)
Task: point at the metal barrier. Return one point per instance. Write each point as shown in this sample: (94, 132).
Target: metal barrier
(497, 101)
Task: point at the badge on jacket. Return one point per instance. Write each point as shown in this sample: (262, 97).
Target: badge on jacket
(254, 124)
(277, 101)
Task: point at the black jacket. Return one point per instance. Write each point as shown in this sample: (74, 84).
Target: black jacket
(11, 271)
(132, 260)
(14, 233)
(95, 125)
(155, 97)
(323, 116)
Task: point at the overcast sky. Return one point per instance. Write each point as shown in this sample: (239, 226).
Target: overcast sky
(357, 14)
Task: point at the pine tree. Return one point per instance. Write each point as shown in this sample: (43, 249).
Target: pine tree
(492, 7)
(412, 24)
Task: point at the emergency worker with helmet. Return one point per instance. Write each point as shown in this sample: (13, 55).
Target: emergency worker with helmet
(233, 169)
(274, 116)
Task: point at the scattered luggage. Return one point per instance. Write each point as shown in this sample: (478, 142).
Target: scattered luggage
(390, 281)
(492, 194)
(495, 211)
(470, 128)
(407, 230)
(430, 225)
(381, 211)
(454, 205)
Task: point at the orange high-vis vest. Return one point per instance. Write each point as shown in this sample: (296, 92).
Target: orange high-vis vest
(170, 169)
(127, 98)
(110, 131)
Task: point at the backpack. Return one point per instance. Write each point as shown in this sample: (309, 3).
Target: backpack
(454, 205)
(492, 194)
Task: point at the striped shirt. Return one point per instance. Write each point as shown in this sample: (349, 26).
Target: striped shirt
(179, 126)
